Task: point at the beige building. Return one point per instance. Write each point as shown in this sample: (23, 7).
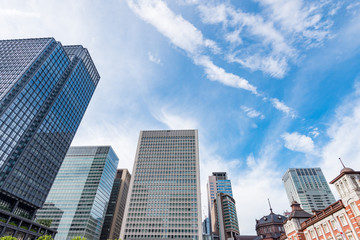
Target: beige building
(164, 194)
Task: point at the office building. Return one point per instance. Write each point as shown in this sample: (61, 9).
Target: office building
(224, 218)
(78, 199)
(218, 183)
(164, 194)
(338, 221)
(308, 187)
(115, 210)
(45, 89)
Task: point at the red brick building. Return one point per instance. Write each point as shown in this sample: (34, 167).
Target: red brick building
(339, 221)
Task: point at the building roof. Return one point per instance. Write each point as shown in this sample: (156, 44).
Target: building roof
(270, 219)
(319, 215)
(297, 212)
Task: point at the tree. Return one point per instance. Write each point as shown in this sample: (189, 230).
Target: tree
(79, 238)
(45, 237)
(8, 238)
(45, 222)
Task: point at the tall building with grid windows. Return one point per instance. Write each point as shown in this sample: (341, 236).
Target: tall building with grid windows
(45, 89)
(218, 183)
(164, 194)
(78, 199)
(308, 187)
(115, 210)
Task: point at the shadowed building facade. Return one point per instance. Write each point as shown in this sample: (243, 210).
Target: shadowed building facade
(164, 194)
(115, 210)
(45, 89)
(81, 191)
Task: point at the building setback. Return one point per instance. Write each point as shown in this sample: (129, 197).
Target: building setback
(164, 194)
(45, 89)
(116, 207)
(339, 221)
(308, 187)
(78, 199)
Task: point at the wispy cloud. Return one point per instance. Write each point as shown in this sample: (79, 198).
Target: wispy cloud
(153, 59)
(186, 36)
(216, 73)
(282, 107)
(252, 113)
(175, 121)
(180, 32)
(298, 142)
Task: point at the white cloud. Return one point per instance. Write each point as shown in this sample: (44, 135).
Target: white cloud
(252, 113)
(175, 121)
(180, 32)
(344, 133)
(299, 143)
(252, 188)
(153, 59)
(314, 132)
(216, 73)
(282, 107)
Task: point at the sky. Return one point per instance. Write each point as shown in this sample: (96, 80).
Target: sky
(269, 84)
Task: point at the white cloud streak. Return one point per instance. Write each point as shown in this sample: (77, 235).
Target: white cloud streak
(186, 36)
(282, 107)
(252, 113)
(153, 59)
(298, 142)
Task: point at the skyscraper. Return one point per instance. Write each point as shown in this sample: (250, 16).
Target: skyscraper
(78, 199)
(308, 187)
(164, 194)
(218, 183)
(45, 89)
(224, 217)
(115, 210)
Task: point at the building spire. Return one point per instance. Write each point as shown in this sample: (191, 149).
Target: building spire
(270, 206)
(342, 163)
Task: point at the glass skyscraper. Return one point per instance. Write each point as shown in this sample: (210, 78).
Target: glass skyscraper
(164, 194)
(78, 199)
(308, 187)
(45, 89)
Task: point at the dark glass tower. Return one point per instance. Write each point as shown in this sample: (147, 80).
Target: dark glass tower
(44, 91)
(115, 210)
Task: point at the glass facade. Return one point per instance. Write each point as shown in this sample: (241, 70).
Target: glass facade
(78, 199)
(45, 89)
(308, 187)
(164, 195)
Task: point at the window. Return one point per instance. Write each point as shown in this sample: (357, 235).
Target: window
(312, 233)
(355, 208)
(350, 236)
(333, 225)
(343, 220)
(326, 228)
(318, 230)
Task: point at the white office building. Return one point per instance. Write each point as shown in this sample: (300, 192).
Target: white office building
(308, 187)
(164, 194)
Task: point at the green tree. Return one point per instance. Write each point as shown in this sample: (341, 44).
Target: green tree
(8, 238)
(78, 238)
(45, 237)
(45, 222)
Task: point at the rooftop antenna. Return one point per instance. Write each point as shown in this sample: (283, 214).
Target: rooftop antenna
(270, 206)
(342, 163)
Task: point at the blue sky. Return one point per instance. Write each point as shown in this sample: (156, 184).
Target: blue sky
(270, 84)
